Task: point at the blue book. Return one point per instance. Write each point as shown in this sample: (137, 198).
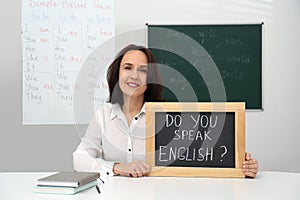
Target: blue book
(63, 190)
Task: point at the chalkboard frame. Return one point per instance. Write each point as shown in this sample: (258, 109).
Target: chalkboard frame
(238, 108)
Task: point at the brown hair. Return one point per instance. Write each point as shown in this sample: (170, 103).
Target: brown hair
(154, 84)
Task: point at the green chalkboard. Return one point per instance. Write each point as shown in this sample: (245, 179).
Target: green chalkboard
(209, 63)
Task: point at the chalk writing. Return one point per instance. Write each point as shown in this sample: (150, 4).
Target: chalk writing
(197, 139)
(214, 58)
(58, 35)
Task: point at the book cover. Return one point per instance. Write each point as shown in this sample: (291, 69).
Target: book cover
(68, 179)
(63, 190)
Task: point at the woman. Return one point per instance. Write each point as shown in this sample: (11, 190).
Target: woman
(114, 142)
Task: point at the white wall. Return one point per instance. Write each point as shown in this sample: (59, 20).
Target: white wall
(272, 135)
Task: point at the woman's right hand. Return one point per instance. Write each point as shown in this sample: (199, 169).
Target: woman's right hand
(134, 169)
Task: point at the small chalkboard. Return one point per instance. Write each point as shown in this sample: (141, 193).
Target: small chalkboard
(195, 139)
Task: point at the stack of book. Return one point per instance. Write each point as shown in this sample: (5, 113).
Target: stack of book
(66, 182)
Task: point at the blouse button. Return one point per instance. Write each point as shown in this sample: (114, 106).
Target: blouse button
(129, 150)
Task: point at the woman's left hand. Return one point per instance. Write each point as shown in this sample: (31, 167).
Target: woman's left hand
(250, 166)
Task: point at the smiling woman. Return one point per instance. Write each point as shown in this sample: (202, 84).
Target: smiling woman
(132, 75)
(140, 59)
(114, 142)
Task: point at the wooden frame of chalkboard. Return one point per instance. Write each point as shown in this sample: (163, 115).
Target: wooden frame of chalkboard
(220, 138)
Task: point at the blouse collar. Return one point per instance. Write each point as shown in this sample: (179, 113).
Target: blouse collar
(117, 111)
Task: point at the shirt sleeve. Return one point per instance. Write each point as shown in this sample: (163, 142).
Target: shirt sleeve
(88, 155)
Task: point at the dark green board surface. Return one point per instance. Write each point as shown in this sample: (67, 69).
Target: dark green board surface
(209, 62)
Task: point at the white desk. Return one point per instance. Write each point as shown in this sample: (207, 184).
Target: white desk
(268, 185)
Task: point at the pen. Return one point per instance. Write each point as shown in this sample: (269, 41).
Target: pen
(98, 189)
(101, 180)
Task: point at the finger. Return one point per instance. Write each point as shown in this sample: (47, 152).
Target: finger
(137, 169)
(123, 169)
(251, 167)
(250, 162)
(143, 169)
(139, 172)
(132, 171)
(147, 168)
(249, 174)
(133, 174)
(254, 171)
(249, 170)
(248, 156)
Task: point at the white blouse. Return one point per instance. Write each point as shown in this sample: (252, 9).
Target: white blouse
(109, 139)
